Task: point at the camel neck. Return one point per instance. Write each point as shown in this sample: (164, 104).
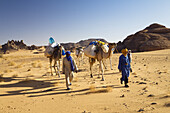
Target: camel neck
(109, 52)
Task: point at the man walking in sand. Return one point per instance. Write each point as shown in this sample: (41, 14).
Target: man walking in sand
(124, 67)
(69, 66)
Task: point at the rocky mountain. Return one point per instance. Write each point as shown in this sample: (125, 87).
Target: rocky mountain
(14, 45)
(153, 37)
(82, 43)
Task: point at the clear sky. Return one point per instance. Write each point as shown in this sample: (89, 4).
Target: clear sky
(34, 21)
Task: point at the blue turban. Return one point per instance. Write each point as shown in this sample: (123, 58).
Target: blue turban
(69, 58)
(68, 52)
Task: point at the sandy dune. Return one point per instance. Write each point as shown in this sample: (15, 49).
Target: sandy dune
(27, 87)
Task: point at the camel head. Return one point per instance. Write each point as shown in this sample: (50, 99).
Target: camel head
(112, 45)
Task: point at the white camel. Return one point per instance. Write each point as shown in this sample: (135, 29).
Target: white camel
(100, 56)
(79, 54)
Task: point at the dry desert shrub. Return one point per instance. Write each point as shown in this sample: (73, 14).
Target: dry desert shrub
(167, 104)
(105, 90)
(26, 80)
(75, 79)
(1, 55)
(34, 64)
(134, 73)
(56, 84)
(14, 75)
(18, 66)
(1, 75)
(7, 71)
(11, 63)
(39, 65)
(1, 78)
(92, 88)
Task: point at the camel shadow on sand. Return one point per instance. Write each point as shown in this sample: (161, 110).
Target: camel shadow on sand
(36, 88)
(44, 89)
(85, 91)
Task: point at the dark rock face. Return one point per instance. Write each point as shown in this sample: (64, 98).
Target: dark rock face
(32, 47)
(13, 45)
(153, 37)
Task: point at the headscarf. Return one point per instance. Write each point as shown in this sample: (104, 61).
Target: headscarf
(51, 40)
(69, 58)
(124, 51)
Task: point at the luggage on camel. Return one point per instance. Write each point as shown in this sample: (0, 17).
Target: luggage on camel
(48, 51)
(50, 48)
(92, 49)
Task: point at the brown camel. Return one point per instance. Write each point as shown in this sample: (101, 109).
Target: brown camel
(56, 57)
(100, 56)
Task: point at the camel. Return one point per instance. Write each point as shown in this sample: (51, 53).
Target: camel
(79, 54)
(56, 56)
(109, 60)
(100, 56)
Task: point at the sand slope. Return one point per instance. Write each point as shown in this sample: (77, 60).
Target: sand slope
(27, 87)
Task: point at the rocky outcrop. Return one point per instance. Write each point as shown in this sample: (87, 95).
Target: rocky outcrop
(153, 37)
(32, 47)
(13, 45)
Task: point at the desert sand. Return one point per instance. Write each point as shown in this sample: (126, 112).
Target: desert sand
(26, 86)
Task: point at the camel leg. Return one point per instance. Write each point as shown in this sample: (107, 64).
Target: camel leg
(55, 66)
(101, 67)
(58, 68)
(51, 66)
(99, 70)
(79, 60)
(91, 64)
(82, 60)
(111, 64)
(104, 65)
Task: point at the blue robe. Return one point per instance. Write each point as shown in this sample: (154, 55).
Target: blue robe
(124, 66)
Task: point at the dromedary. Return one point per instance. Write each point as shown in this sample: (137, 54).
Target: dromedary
(80, 54)
(56, 56)
(110, 59)
(100, 56)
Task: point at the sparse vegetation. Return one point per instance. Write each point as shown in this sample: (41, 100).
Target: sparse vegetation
(167, 104)
(39, 65)
(26, 80)
(7, 71)
(75, 79)
(1, 55)
(14, 75)
(1, 78)
(19, 66)
(1, 75)
(11, 63)
(94, 90)
(134, 73)
(34, 64)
